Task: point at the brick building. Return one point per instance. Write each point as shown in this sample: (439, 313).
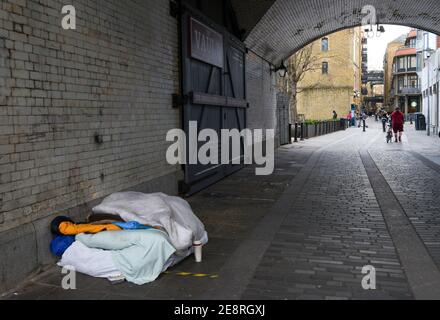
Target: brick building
(336, 83)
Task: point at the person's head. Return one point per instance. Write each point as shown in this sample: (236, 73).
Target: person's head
(398, 109)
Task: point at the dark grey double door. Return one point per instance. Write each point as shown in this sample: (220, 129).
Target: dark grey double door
(215, 90)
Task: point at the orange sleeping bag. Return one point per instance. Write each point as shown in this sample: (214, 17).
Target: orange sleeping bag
(71, 229)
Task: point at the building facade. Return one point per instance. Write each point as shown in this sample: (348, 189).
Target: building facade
(430, 90)
(428, 58)
(336, 84)
(405, 86)
(373, 90)
(390, 54)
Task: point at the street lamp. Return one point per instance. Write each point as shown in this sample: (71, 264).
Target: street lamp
(282, 70)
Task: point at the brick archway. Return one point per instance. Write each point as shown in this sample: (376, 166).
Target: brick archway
(276, 29)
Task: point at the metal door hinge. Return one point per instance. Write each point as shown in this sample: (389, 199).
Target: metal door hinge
(179, 100)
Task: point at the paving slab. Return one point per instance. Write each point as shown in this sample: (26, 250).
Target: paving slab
(305, 232)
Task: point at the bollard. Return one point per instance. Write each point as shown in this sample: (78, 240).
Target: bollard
(302, 131)
(364, 125)
(296, 132)
(290, 133)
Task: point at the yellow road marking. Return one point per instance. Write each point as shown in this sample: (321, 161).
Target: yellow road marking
(196, 275)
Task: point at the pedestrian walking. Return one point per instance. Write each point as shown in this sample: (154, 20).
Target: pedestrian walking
(363, 119)
(398, 121)
(384, 121)
(335, 115)
(349, 118)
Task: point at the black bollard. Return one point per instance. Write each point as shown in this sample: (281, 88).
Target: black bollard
(296, 132)
(290, 133)
(364, 125)
(302, 131)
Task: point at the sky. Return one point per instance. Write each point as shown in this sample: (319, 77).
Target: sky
(377, 46)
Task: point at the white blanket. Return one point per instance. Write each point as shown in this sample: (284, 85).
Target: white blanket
(171, 213)
(93, 262)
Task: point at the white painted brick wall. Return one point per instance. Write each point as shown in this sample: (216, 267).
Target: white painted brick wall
(114, 75)
(261, 93)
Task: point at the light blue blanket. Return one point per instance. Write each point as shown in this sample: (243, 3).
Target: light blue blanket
(139, 254)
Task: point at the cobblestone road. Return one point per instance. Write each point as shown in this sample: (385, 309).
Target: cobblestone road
(334, 205)
(334, 228)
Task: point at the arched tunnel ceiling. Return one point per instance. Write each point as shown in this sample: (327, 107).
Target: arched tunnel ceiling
(276, 29)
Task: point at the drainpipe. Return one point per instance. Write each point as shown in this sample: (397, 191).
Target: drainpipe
(438, 102)
(428, 122)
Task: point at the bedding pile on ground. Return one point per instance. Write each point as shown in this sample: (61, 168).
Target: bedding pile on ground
(130, 234)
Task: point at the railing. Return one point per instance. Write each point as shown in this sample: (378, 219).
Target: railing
(303, 130)
(410, 90)
(404, 70)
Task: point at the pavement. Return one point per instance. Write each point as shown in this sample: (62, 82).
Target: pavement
(334, 205)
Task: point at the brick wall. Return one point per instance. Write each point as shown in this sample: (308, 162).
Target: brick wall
(113, 75)
(329, 99)
(320, 94)
(261, 93)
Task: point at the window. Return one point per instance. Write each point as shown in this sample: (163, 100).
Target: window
(402, 64)
(400, 84)
(419, 61)
(324, 44)
(325, 68)
(413, 81)
(412, 63)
